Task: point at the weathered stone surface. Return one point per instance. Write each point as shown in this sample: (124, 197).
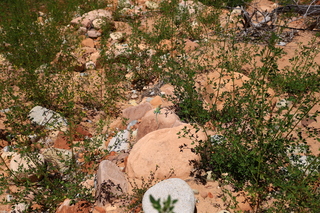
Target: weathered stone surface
(46, 117)
(152, 121)
(98, 23)
(90, 65)
(26, 167)
(111, 183)
(152, 5)
(178, 190)
(93, 33)
(81, 207)
(167, 89)
(160, 148)
(136, 112)
(88, 42)
(116, 35)
(63, 140)
(59, 158)
(120, 142)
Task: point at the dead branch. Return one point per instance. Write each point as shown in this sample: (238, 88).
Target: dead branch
(306, 10)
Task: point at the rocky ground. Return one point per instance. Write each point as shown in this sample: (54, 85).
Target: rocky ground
(144, 137)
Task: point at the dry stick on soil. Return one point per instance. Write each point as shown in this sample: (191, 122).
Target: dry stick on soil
(305, 10)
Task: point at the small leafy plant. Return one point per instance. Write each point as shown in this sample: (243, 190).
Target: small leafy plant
(166, 207)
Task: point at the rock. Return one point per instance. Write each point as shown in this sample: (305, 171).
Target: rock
(95, 57)
(136, 112)
(203, 194)
(98, 23)
(87, 19)
(120, 142)
(99, 13)
(177, 189)
(93, 33)
(283, 103)
(116, 36)
(46, 117)
(26, 167)
(63, 140)
(152, 5)
(190, 46)
(223, 211)
(20, 207)
(82, 30)
(79, 65)
(80, 21)
(132, 125)
(90, 65)
(152, 121)
(81, 207)
(156, 101)
(88, 42)
(191, 6)
(121, 49)
(160, 149)
(124, 4)
(58, 158)
(167, 89)
(111, 183)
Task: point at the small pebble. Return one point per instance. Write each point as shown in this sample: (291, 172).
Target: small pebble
(203, 194)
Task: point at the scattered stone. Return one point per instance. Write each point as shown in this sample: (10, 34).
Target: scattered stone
(121, 49)
(204, 195)
(120, 142)
(167, 89)
(81, 207)
(88, 42)
(26, 167)
(152, 5)
(223, 211)
(210, 195)
(111, 183)
(156, 101)
(136, 112)
(191, 6)
(281, 43)
(59, 158)
(82, 30)
(178, 190)
(152, 121)
(132, 124)
(94, 57)
(46, 117)
(283, 103)
(63, 140)
(84, 74)
(93, 33)
(161, 148)
(20, 207)
(116, 36)
(98, 23)
(90, 65)
(124, 4)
